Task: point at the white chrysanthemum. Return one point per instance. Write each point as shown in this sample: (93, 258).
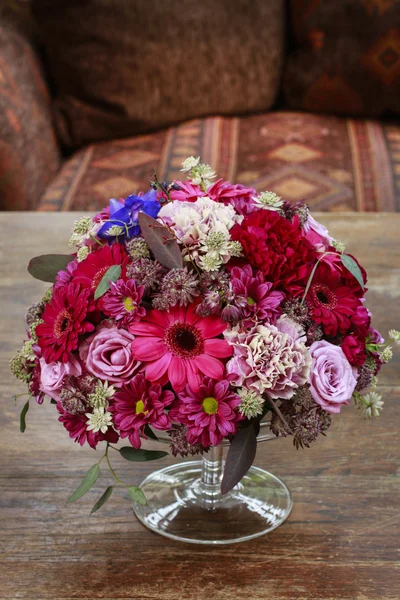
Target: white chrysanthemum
(371, 405)
(192, 222)
(82, 253)
(99, 420)
(269, 359)
(268, 200)
(395, 336)
(252, 403)
(82, 230)
(387, 354)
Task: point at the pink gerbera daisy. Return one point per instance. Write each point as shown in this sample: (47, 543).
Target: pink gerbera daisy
(63, 321)
(178, 345)
(77, 427)
(140, 403)
(209, 413)
(91, 271)
(122, 302)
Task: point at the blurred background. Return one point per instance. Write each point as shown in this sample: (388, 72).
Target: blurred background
(300, 97)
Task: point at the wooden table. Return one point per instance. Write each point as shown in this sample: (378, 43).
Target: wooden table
(340, 542)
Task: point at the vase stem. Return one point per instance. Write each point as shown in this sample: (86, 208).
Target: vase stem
(211, 476)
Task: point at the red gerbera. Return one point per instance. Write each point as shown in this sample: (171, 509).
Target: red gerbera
(91, 271)
(76, 425)
(64, 319)
(333, 303)
(277, 248)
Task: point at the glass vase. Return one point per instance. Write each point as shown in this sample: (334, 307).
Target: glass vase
(184, 501)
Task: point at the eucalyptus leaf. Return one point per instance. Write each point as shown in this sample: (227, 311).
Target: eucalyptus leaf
(240, 457)
(47, 266)
(161, 242)
(86, 484)
(103, 499)
(22, 422)
(135, 455)
(352, 266)
(137, 495)
(112, 274)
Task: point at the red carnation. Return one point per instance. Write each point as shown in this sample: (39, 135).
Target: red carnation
(91, 271)
(277, 248)
(64, 319)
(333, 304)
(354, 348)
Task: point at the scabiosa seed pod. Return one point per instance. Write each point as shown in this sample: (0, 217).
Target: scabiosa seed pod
(34, 313)
(365, 375)
(145, 272)
(137, 248)
(73, 401)
(178, 287)
(179, 444)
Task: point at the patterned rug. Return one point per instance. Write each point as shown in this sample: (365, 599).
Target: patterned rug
(333, 163)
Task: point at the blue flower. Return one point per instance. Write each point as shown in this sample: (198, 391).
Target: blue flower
(124, 218)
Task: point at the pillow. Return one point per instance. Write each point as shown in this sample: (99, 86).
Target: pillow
(346, 57)
(123, 67)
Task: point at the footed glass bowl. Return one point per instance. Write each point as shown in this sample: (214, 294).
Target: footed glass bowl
(184, 501)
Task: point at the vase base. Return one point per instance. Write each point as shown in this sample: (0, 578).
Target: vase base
(180, 506)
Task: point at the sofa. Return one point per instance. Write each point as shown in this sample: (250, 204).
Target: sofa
(299, 97)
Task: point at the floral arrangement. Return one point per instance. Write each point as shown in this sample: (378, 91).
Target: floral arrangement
(199, 309)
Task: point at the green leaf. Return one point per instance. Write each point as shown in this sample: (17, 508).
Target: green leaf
(353, 267)
(240, 456)
(132, 454)
(150, 433)
(161, 242)
(86, 484)
(22, 423)
(47, 266)
(103, 499)
(137, 495)
(112, 274)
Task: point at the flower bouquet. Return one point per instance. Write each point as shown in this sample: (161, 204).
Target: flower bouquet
(196, 314)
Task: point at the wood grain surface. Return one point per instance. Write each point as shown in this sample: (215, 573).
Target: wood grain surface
(340, 542)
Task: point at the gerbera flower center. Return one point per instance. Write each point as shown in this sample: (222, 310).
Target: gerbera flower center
(210, 405)
(98, 277)
(184, 340)
(323, 296)
(129, 304)
(140, 408)
(62, 323)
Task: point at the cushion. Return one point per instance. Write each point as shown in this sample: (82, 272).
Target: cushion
(331, 162)
(126, 67)
(29, 156)
(345, 57)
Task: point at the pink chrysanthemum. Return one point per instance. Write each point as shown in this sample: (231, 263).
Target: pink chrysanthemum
(76, 425)
(137, 404)
(64, 319)
(66, 275)
(122, 302)
(260, 300)
(209, 413)
(179, 345)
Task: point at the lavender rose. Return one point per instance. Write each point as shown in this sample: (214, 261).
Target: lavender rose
(53, 374)
(108, 355)
(332, 378)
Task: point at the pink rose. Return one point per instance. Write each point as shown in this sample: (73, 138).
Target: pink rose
(53, 374)
(108, 355)
(333, 379)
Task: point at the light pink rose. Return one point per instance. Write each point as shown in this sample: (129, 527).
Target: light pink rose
(332, 379)
(108, 355)
(53, 374)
